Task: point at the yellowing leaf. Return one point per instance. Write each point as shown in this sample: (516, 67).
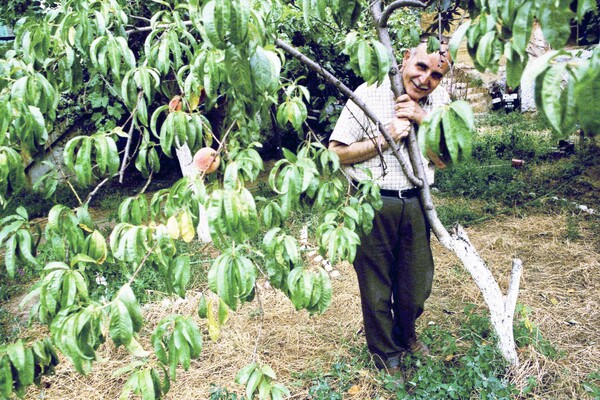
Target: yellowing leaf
(173, 227)
(213, 325)
(186, 227)
(194, 100)
(86, 228)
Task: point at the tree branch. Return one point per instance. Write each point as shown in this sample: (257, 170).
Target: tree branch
(361, 104)
(129, 139)
(382, 22)
(150, 28)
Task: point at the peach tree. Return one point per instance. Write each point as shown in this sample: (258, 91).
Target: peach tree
(170, 63)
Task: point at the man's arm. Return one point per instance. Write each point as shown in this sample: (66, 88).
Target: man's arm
(407, 110)
(360, 151)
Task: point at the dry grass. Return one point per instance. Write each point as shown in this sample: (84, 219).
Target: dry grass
(560, 284)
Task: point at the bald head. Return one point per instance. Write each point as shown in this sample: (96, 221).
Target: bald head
(422, 72)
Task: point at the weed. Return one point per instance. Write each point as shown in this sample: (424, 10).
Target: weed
(221, 393)
(528, 334)
(592, 384)
(10, 326)
(573, 232)
(460, 211)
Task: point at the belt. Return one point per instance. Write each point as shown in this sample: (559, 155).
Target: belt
(403, 194)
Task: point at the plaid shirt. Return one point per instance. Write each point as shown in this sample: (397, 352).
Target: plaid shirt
(354, 126)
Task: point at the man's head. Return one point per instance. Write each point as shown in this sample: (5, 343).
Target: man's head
(422, 72)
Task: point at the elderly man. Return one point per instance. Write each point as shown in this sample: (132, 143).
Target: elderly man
(393, 263)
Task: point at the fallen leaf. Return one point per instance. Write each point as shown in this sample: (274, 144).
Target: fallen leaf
(354, 390)
(553, 300)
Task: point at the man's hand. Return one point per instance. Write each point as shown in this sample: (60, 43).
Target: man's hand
(399, 129)
(408, 108)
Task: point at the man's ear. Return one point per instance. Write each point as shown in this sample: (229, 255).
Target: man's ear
(407, 55)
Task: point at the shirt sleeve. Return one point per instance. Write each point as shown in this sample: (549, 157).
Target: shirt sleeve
(352, 123)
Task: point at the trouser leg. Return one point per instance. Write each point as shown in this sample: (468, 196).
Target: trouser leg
(374, 262)
(413, 276)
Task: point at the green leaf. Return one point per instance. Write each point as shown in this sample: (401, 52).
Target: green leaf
(126, 295)
(585, 92)
(514, 67)
(433, 130)
(551, 95)
(212, 27)
(536, 67)
(181, 274)
(223, 312)
(265, 67)
(484, 49)
(555, 22)
(244, 374)
(121, 325)
(522, 28)
(6, 377)
(364, 60)
(457, 38)
(10, 256)
(83, 164)
(585, 6)
(22, 360)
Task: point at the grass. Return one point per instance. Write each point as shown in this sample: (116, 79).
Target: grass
(464, 364)
(491, 178)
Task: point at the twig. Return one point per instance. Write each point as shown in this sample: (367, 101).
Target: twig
(361, 104)
(149, 28)
(129, 139)
(147, 182)
(137, 271)
(62, 172)
(93, 192)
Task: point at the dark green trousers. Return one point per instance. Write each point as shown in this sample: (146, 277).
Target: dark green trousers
(394, 266)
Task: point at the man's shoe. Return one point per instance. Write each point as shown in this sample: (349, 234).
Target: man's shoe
(397, 374)
(417, 347)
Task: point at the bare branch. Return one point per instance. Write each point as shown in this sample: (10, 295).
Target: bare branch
(128, 145)
(149, 28)
(361, 104)
(93, 192)
(385, 16)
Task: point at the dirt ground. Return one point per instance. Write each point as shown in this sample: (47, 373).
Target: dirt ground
(560, 283)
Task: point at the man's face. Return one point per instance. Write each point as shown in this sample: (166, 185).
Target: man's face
(422, 72)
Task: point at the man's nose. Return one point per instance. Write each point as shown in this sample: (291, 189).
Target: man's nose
(424, 78)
